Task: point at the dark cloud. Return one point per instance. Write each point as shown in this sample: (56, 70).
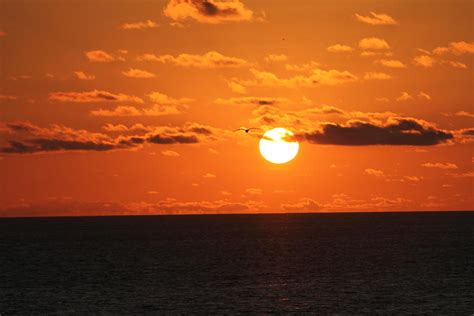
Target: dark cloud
(399, 131)
(469, 132)
(173, 139)
(27, 138)
(304, 205)
(201, 130)
(208, 11)
(66, 206)
(206, 7)
(92, 96)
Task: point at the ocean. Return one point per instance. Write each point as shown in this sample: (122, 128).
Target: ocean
(346, 263)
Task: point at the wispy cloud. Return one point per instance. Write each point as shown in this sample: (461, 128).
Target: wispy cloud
(390, 63)
(405, 96)
(83, 76)
(303, 205)
(92, 96)
(138, 73)
(314, 78)
(248, 101)
(148, 24)
(127, 110)
(276, 58)
(101, 56)
(208, 60)
(457, 48)
(170, 153)
(339, 48)
(377, 76)
(8, 97)
(440, 165)
(376, 19)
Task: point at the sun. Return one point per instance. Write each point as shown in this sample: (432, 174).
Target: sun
(275, 148)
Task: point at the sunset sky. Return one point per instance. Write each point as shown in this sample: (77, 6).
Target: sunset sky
(130, 107)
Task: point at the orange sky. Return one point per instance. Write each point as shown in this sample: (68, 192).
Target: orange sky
(128, 107)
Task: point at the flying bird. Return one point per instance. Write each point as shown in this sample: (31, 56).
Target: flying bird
(246, 129)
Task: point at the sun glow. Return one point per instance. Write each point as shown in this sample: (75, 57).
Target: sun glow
(275, 148)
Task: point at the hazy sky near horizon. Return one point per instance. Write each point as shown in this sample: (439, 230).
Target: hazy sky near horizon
(129, 107)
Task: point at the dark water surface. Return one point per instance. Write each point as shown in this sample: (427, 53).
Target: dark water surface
(320, 263)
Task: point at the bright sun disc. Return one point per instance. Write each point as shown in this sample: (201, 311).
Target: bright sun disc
(275, 148)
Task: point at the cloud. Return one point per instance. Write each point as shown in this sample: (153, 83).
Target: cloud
(429, 59)
(161, 98)
(101, 56)
(83, 76)
(374, 172)
(390, 63)
(424, 96)
(303, 67)
(25, 138)
(464, 114)
(138, 73)
(457, 48)
(172, 206)
(7, 97)
(440, 165)
(209, 60)
(209, 175)
(124, 110)
(373, 43)
(236, 87)
(20, 77)
(391, 178)
(28, 138)
(68, 207)
(303, 205)
(343, 202)
(405, 96)
(465, 135)
(164, 105)
(64, 207)
(170, 153)
(376, 19)
(395, 131)
(314, 78)
(463, 175)
(454, 64)
(377, 76)
(254, 191)
(412, 178)
(208, 11)
(92, 96)
(276, 58)
(268, 115)
(148, 24)
(118, 127)
(425, 61)
(249, 101)
(367, 53)
(338, 48)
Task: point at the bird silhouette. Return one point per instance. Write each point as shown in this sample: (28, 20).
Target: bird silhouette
(245, 129)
